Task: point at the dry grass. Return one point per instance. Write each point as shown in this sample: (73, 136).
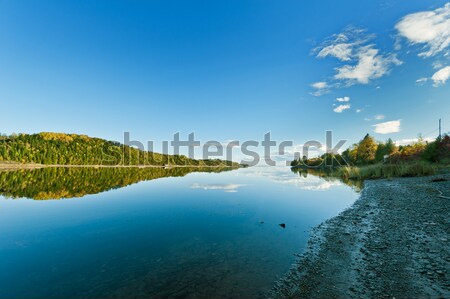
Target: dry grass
(387, 170)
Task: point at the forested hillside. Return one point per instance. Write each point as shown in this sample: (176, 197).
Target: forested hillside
(73, 149)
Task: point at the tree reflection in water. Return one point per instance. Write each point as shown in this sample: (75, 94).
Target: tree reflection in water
(329, 175)
(65, 182)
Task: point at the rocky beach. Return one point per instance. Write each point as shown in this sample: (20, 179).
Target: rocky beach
(392, 243)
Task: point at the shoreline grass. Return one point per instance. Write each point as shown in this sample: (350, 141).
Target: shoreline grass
(378, 171)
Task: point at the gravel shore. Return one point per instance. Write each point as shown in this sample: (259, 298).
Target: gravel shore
(392, 243)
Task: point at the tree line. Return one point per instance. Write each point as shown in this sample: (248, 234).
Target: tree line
(368, 151)
(74, 149)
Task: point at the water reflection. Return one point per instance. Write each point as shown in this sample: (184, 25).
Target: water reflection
(224, 187)
(205, 235)
(329, 176)
(58, 183)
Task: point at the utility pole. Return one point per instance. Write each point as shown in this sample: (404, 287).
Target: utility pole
(440, 129)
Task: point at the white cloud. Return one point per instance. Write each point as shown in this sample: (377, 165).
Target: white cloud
(341, 108)
(397, 44)
(320, 85)
(370, 65)
(223, 187)
(321, 88)
(363, 61)
(387, 127)
(411, 141)
(375, 117)
(437, 64)
(429, 28)
(421, 81)
(441, 76)
(342, 51)
(342, 45)
(358, 110)
(343, 99)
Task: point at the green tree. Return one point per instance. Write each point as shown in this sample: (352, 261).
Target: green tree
(366, 150)
(385, 149)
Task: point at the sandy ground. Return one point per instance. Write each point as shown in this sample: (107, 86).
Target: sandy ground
(392, 243)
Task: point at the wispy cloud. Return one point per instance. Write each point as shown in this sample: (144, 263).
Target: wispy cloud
(320, 85)
(223, 187)
(320, 88)
(375, 117)
(421, 81)
(369, 65)
(431, 29)
(341, 108)
(437, 64)
(342, 45)
(388, 127)
(363, 62)
(341, 50)
(343, 99)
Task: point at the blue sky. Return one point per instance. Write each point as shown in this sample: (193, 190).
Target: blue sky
(225, 69)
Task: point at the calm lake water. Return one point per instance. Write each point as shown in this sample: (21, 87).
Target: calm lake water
(203, 235)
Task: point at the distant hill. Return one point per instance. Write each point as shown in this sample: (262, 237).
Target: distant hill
(74, 149)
